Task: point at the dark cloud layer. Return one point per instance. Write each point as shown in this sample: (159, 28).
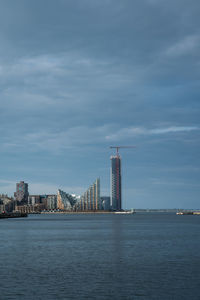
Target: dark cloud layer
(83, 74)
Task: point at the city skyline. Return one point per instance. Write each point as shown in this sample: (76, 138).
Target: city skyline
(77, 77)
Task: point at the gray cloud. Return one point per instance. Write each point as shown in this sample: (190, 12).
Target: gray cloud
(125, 133)
(90, 72)
(78, 136)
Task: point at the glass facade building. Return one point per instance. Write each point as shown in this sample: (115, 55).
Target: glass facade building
(105, 202)
(91, 200)
(115, 183)
(65, 201)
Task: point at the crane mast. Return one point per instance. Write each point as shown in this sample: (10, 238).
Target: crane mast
(119, 147)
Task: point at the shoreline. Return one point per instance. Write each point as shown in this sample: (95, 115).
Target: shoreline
(13, 215)
(77, 212)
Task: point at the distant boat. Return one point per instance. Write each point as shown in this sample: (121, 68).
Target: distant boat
(185, 213)
(125, 212)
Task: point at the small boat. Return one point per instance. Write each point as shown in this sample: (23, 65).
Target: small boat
(125, 212)
(185, 213)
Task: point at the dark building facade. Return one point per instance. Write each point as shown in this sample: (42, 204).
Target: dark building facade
(105, 202)
(115, 183)
(21, 194)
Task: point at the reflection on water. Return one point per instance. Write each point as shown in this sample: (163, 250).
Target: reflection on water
(141, 256)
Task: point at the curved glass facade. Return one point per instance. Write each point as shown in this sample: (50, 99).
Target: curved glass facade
(65, 201)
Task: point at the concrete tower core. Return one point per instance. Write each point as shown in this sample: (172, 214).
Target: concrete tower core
(115, 183)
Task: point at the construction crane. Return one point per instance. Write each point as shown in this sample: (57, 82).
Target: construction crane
(119, 147)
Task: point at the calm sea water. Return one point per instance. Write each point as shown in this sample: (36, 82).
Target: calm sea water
(141, 256)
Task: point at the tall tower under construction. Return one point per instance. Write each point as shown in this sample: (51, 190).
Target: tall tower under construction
(115, 182)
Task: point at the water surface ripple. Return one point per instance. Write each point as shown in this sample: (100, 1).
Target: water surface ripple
(141, 256)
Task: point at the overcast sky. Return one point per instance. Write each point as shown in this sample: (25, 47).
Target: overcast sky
(78, 76)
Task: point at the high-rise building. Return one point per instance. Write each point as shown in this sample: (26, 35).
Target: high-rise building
(98, 203)
(115, 183)
(21, 193)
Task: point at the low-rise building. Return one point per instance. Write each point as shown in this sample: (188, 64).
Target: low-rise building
(6, 203)
(28, 208)
(49, 202)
